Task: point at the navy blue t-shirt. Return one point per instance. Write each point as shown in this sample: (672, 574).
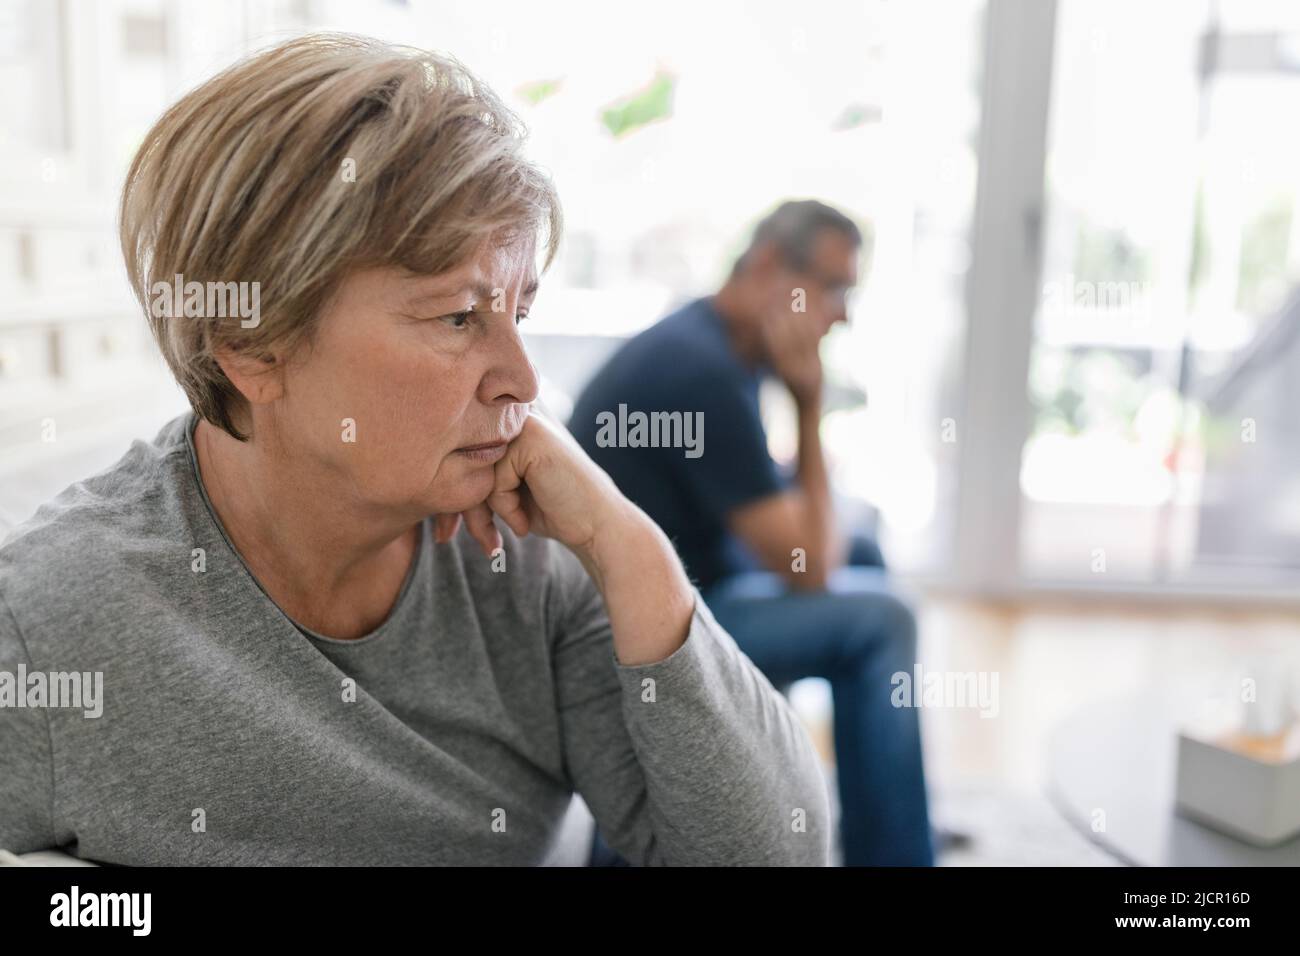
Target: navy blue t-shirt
(684, 363)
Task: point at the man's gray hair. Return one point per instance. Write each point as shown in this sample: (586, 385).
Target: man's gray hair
(793, 226)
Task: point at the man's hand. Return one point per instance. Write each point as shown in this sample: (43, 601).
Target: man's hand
(791, 340)
(802, 517)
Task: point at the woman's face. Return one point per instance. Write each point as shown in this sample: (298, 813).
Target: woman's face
(407, 378)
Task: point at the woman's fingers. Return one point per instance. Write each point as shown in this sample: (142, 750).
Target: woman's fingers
(509, 507)
(479, 522)
(445, 528)
(506, 498)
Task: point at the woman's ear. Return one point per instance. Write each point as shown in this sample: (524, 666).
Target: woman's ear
(259, 378)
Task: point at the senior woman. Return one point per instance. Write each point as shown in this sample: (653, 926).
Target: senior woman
(361, 604)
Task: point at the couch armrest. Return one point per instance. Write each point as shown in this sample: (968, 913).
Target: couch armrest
(42, 858)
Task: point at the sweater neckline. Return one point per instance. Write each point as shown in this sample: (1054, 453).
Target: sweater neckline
(422, 548)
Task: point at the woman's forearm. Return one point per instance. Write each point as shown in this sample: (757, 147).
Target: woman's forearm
(728, 774)
(647, 594)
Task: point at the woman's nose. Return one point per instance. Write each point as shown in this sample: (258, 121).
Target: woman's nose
(512, 377)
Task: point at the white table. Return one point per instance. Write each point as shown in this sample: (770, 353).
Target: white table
(1119, 756)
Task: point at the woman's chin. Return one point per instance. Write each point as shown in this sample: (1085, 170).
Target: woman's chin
(471, 490)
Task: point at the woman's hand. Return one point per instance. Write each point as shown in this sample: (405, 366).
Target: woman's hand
(547, 485)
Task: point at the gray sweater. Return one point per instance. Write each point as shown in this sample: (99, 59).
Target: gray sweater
(454, 733)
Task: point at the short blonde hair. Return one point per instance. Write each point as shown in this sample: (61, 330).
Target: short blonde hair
(246, 179)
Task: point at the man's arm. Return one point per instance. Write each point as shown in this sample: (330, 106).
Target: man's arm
(803, 517)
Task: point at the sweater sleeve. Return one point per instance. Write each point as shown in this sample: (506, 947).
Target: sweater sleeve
(26, 775)
(692, 760)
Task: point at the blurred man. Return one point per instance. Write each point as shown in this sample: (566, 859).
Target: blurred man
(801, 598)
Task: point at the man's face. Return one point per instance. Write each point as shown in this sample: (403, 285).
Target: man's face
(427, 367)
(830, 275)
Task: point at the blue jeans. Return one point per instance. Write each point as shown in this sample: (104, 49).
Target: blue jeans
(856, 634)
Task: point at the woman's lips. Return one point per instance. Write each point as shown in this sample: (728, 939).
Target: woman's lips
(489, 452)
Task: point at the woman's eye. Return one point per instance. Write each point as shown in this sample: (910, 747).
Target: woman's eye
(458, 320)
(461, 320)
